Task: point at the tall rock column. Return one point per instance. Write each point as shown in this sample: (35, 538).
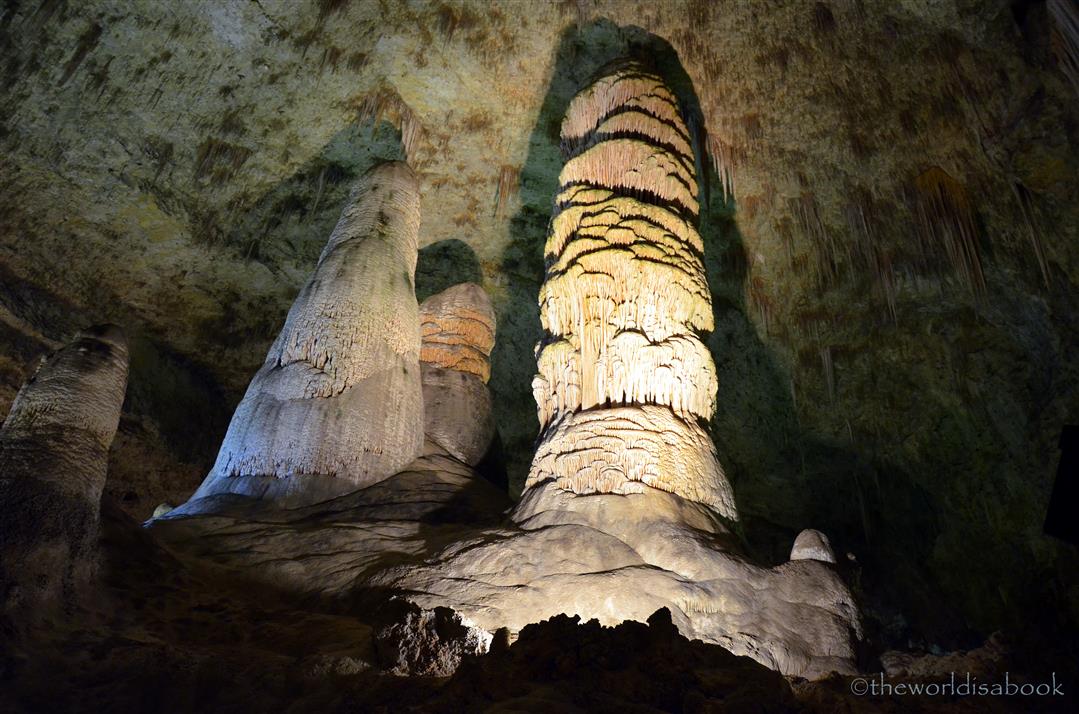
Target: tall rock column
(624, 380)
(337, 405)
(54, 451)
(458, 326)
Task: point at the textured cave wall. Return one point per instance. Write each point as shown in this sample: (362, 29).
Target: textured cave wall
(893, 278)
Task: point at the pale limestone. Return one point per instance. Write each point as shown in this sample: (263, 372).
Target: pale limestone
(338, 401)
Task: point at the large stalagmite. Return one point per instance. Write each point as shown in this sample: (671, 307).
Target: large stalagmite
(338, 405)
(624, 378)
(54, 448)
(625, 507)
(458, 326)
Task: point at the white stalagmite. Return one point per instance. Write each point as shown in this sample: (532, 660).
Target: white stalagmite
(337, 404)
(54, 450)
(458, 326)
(623, 376)
(812, 545)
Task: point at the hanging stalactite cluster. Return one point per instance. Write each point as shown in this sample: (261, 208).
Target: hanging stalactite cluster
(386, 103)
(946, 225)
(1065, 37)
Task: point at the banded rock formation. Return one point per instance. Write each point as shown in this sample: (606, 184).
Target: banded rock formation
(458, 327)
(54, 448)
(338, 404)
(623, 374)
(625, 507)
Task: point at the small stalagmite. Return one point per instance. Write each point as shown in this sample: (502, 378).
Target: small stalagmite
(458, 328)
(54, 448)
(623, 376)
(338, 404)
(812, 545)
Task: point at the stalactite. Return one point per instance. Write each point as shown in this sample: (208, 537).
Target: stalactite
(826, 247)
(868, 251)
(509, 178)
(1026, 206)
(758, 297)
(385, 102)
(727, 159)
(829, 371)
(623, 377)
(946, 224)
(1065, 37)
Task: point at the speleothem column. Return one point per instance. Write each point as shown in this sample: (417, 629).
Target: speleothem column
(54, 452)
(337, 405)
(458, 326)
(624, 379)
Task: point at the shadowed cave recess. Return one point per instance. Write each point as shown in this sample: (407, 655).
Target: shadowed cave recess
(681, 356)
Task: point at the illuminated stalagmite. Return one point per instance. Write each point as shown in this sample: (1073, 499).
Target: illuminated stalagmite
(624, 378)
(625, 505)
(54, 448)
(458, 327)
(338, 403)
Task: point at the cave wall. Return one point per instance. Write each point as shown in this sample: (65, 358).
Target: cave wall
(890, 225)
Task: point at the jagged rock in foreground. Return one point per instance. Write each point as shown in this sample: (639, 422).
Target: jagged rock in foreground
(412, 641)
(338, 405)
(458, 326)
(565, 665)
(54, 448)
